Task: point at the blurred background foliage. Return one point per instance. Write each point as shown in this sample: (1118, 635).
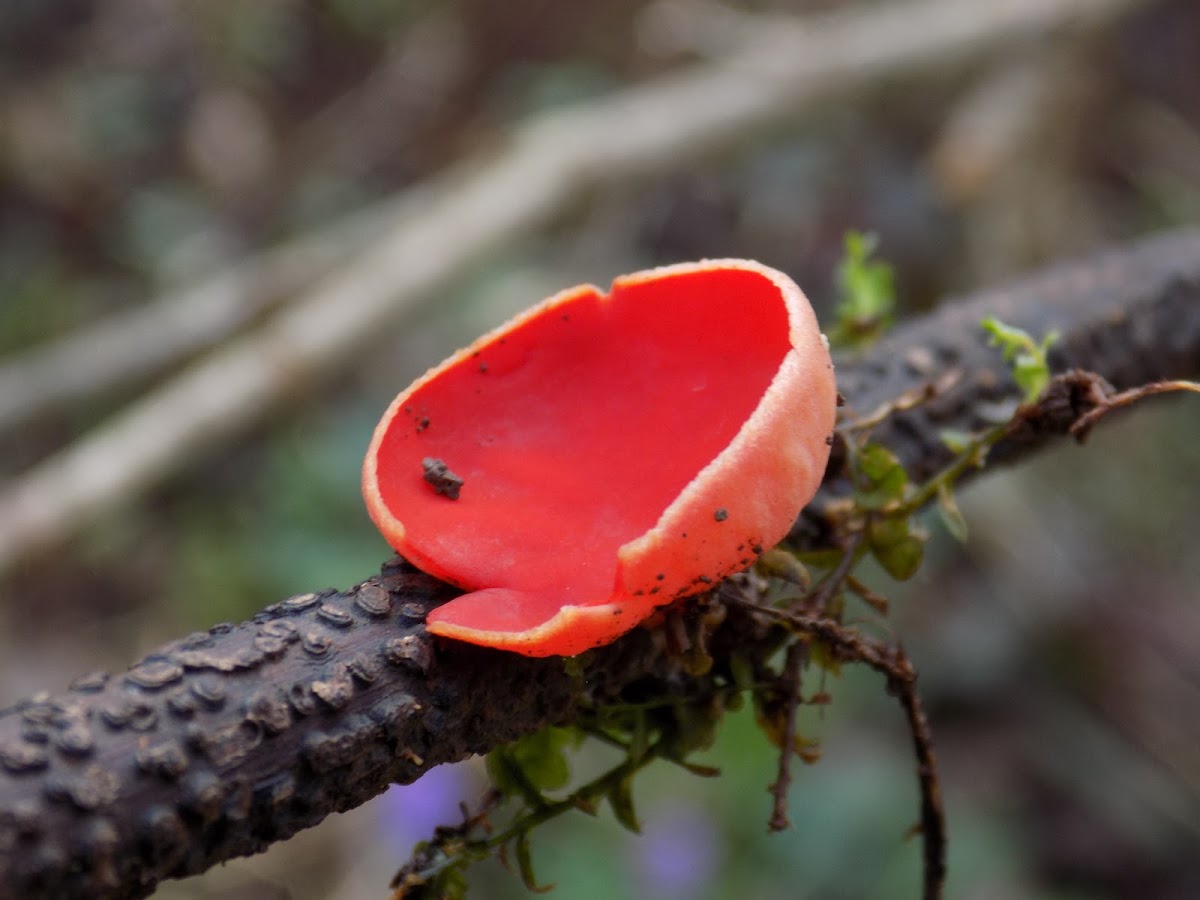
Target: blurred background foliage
(148, 144)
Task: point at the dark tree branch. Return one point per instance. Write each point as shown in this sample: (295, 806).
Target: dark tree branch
(1131, 315)
(221, 743)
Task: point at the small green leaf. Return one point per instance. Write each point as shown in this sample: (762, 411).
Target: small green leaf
(951, 515)
(620, 798)
(881, 478)
(868, 296)
(902, 559)
(542, 759)
(820, 559)
(451, 884)
(503, 773)
(887, 531)
(875, 462)
(1010, 340)
(525, 865)
(741, 670)
(1030, 367)
(695, 728)
(823, 657)
(533, 764)
(781, 564)
(1031, 376)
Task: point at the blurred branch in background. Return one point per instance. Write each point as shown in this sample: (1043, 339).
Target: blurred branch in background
(169, 329)
(768, 75)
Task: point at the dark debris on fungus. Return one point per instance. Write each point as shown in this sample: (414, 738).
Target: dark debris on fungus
(439, 476)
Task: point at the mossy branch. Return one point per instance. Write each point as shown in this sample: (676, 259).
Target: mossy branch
(218, 744)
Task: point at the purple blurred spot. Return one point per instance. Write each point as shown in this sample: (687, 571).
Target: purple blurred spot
(678, 853)
(410, 812)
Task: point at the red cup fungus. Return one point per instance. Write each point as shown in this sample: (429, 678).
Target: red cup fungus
(601, 455)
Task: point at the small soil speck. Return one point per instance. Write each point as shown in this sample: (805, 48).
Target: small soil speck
(721, 514)
(441, 478)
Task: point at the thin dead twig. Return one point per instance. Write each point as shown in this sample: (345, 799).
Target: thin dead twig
(903, 685)
(848, 645)
(1084, 424)
(791, 682)
(892, 662)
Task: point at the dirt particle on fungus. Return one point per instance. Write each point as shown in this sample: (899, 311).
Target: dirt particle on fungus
(660, 576)
(440, 478)
(483, 367)
(705, 579)
(757, 548)
(422, 423)
(721, 514)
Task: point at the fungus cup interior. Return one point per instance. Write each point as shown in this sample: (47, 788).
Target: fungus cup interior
(616, 451)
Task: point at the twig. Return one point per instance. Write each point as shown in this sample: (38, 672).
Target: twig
(1084, 425)
(910, 399)
(903, 685)
(872, 598)
(477, 208)
(894, 665)
(819, 598)
(790, 680)
(432, 858)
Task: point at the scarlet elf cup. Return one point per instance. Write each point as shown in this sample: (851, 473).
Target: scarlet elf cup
(602, 455)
